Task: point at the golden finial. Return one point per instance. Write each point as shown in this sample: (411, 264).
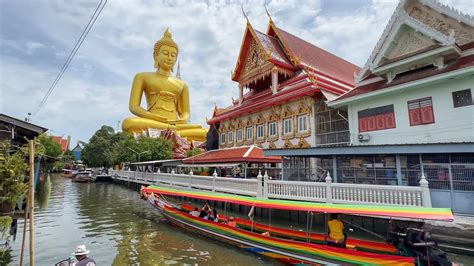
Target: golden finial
(167, 39)
(243, 12)
(268, 13)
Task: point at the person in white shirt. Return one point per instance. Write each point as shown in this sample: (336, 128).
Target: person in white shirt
(195, 213)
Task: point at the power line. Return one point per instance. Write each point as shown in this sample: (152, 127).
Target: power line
(78, 44)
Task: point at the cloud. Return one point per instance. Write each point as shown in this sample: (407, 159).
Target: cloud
(95, 89)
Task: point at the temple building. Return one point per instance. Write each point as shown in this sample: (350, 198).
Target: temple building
(411, 112)
(63, 142)
(284, 83)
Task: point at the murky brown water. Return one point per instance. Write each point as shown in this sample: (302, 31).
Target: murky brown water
(121, 229)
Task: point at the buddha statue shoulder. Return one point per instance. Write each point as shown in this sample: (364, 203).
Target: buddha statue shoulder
(167, 96)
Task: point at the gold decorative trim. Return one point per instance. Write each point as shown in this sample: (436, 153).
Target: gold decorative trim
(249, 122)
(287, 112)
(275, 113)
(287, 145)
(303, 144)
(271, 145)
(303, 108)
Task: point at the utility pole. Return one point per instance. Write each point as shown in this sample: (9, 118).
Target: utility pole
(31, 202)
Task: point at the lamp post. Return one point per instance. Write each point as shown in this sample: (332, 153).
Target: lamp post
(138, 153)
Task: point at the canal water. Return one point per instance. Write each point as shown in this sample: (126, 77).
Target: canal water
(121, 229)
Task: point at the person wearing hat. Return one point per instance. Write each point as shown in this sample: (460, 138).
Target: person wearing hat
(81, 256)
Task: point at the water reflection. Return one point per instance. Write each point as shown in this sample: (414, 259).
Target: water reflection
(119, 229)
(43, 192)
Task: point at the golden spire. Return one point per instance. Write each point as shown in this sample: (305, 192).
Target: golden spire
(243, 12)
(268, 13)
(167, 39)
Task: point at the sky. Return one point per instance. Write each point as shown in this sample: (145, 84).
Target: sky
(37, 36)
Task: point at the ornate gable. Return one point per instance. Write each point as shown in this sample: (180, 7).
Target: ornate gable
(274, 113)
(408, 42)
(252, 56)
(417, 26)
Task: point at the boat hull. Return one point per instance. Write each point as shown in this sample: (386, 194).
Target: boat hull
(290, 251)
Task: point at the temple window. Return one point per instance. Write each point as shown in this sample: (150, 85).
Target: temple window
(462, 98)
(249, 135)
(230, 137)
(420, 112)
(302, 123)
(222, 138)
(260, 131)
(239, 135)
(376, 118)
(272, 129)
(287, 126)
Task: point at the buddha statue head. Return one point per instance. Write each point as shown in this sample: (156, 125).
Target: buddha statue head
(165, 52)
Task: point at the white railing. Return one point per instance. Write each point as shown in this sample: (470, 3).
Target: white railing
(263, 186)
(310, 191)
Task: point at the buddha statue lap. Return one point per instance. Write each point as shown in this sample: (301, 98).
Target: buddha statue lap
(167, 97)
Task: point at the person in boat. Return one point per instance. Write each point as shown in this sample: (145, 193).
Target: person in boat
(205, 211)
(212, 216)
(231, 222)
(336, 236)
(195, 213)
(81, 256)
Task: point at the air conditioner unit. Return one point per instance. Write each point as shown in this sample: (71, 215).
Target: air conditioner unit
(363, 137)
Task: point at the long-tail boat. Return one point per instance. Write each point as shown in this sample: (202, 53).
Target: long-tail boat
(295, 247)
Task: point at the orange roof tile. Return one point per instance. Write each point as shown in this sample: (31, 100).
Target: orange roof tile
(233, 155)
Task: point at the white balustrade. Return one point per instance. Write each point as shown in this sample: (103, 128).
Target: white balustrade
(202, 182)
(376, 194)
(310, 191)
(263, 186)
(236, 185)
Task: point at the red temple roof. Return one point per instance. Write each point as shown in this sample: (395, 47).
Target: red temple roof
(63, 142)
(313, 70)
(233, 155)
(320, 59)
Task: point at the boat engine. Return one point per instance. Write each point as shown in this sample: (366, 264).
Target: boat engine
(419, 244)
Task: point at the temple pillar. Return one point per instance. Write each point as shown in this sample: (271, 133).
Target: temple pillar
(241, 93)
(274, 80)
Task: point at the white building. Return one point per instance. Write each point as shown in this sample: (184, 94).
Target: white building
(412, 110)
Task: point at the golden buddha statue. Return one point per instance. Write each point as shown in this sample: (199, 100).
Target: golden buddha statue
(167, 97)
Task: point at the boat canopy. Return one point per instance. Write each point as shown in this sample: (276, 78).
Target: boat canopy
(393, 212)
(209, 165)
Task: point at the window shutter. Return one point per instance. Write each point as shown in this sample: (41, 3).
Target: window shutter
(415, 117)
(427, 116)
(371, 123)
(426, 107)
(390, 120)
(380, 121)
(363, 124)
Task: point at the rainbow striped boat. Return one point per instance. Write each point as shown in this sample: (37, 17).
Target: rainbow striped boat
(286, 245)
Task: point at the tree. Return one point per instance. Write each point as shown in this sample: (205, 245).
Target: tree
(51, 148)
(153, 149)
(193, 152)
(94, 153)
(109, 148)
